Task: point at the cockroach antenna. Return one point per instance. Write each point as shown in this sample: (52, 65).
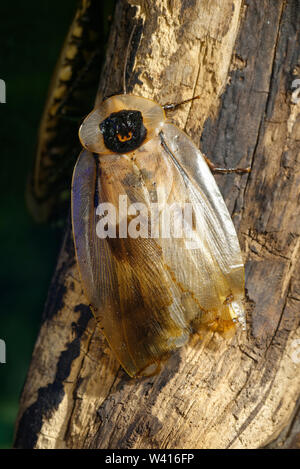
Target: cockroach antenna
(126, 59)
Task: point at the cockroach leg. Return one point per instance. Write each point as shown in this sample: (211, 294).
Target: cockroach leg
(215, 169)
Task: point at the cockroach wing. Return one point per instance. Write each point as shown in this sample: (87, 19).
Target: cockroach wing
(124, 279)
(152, 286)
(96, 262)
(207, 264)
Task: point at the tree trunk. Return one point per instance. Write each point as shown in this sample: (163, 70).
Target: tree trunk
(241, 57)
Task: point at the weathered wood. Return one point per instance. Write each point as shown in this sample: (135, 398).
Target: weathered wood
(241, 57)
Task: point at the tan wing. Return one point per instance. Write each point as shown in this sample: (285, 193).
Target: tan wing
(125, 280)
(208, 263)
(151, 293)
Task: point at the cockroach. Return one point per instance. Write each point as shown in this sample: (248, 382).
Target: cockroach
(151, 286)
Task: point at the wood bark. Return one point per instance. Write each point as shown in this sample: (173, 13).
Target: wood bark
(241, 57)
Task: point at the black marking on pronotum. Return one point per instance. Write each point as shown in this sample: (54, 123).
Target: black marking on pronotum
(123, 131)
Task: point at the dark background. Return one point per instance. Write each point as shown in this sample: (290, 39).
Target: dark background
(31, 36)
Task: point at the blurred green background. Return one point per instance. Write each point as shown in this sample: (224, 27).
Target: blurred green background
(32, 34)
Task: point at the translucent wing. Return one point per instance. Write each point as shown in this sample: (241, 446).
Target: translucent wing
(124, 279)
(150, 292)
(208, 262)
